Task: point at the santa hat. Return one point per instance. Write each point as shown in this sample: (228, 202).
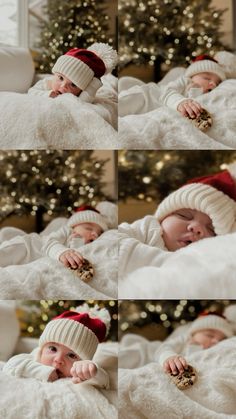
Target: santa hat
(87, 214)
(205, 64)
(213, 195)
(85, 67)
(79, 331)
(211, 321)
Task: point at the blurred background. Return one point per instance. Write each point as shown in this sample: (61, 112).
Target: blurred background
(146, 177)
(37, 186)
(156, 319)
(157, 35)
(52, 27)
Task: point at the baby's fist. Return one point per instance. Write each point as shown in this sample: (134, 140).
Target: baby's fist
(82, 371)
(54, 94)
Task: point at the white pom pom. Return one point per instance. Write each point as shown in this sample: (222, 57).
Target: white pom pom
(96, 313)
(107, 54)
(231, 167)
(110, 212)
(228, 62)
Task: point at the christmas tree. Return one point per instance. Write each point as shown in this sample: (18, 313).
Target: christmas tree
(152, 175)
(34, 315)
(49, 182)
(155, 319)
(71, 24)
(172, 32)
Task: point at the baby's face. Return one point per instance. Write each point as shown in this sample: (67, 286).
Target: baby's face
(63, 85)
(184, 227)
(59, 357)
(207, 337)
(87, 231)
(207, 81)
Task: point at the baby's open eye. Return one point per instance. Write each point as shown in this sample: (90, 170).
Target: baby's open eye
(72, 355)
(60, 77)
(73, 85)
(52, 348)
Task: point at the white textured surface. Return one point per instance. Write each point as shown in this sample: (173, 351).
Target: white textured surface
(61, 123)
(165, 128)
(205, 270)
(47, 278)
(147, 392)
(60, 399)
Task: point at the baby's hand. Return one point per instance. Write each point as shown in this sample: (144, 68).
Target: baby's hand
(71, 258)
(53, 376)
(175, 364)
(54, 94)
(189, 108)
(82, 371)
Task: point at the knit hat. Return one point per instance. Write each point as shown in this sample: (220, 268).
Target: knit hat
(80, 332)
(87, 214)
(85, 67)
(205, 63)
(213, 195)
(211, 321)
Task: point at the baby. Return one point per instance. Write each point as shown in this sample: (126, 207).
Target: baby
(79, 72)
(205, 331)
(83, 227)
(203, 208)
(66, 349)
(202, 76)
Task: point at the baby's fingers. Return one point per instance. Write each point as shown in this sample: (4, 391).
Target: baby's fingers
(191, 110)
(76, 380)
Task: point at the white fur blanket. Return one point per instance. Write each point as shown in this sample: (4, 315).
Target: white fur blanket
(205, 270)
(148, 392)
(164, 128)
(35, 122)
(48, 278)
(27, 398)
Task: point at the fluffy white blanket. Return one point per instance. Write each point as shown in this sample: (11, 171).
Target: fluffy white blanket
(148, 392)
(165, 128)
(204, 270)
(48, 278)
(35, 122)
(26, 398)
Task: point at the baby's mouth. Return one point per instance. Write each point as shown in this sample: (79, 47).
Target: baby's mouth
(184, 242)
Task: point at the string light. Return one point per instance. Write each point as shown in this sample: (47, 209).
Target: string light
(147, 31)
(48, 182)
(71, 24)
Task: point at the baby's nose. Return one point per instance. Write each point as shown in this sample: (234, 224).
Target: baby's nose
(212, 84)
(65, 84)
(93, 235)
(197, 229)
(58, 359)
